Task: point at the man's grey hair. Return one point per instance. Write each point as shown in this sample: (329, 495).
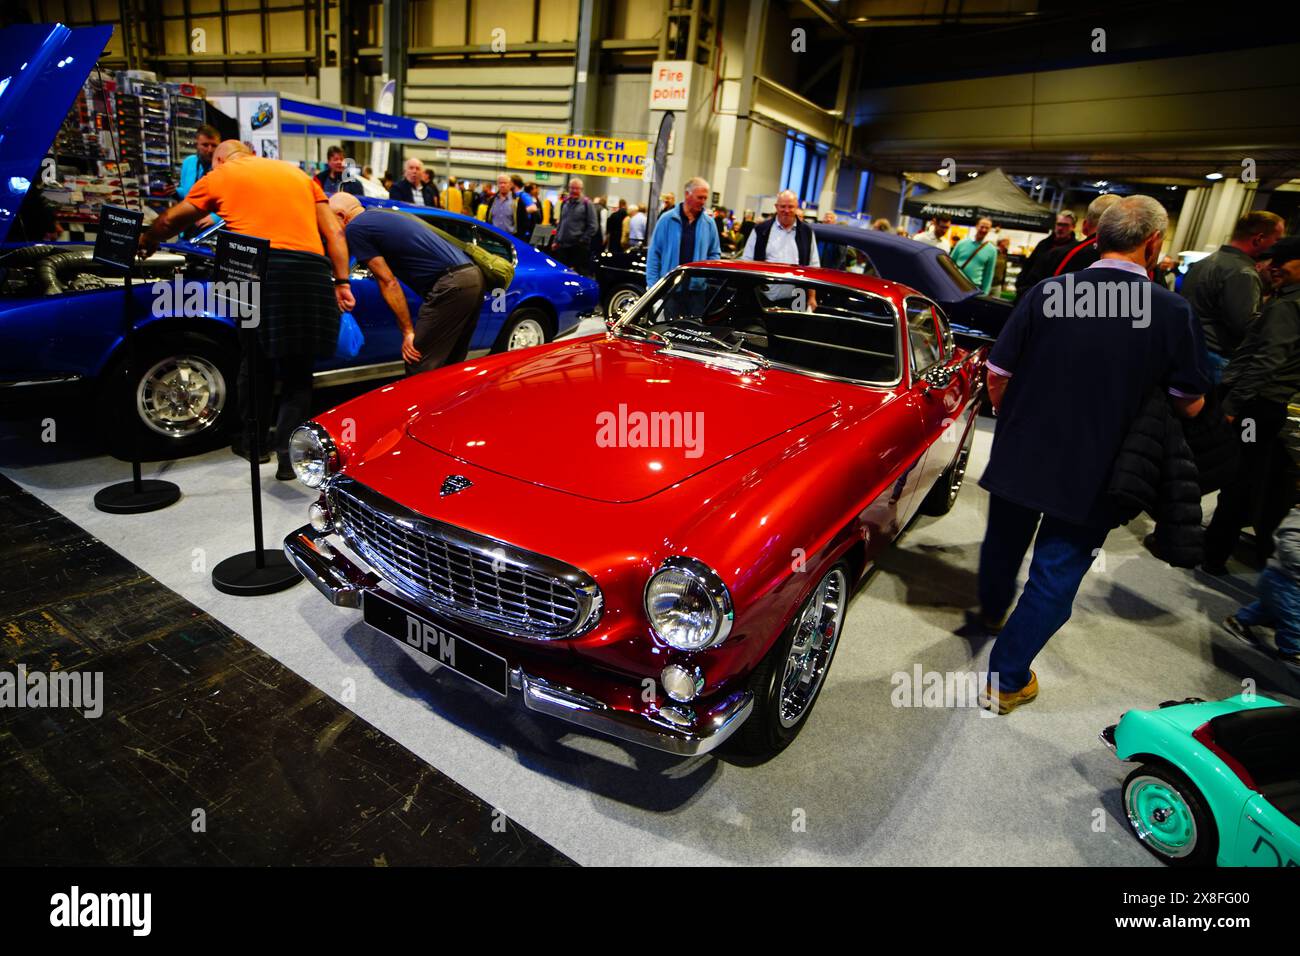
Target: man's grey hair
(695, 182)
(1130, 222)
(575, 179)
(1098, 207)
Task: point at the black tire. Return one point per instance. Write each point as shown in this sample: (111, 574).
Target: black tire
(526, 317)
(766, 733)
(1146, 787)
(943, 495)
(123, 402)
(622, 297)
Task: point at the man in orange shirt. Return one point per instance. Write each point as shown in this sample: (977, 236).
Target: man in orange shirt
(299, 320)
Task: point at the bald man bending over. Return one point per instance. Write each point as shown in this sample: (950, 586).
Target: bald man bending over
(400, 250)
(303, 292)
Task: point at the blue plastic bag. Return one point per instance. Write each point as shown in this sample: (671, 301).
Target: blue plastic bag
(350, 338)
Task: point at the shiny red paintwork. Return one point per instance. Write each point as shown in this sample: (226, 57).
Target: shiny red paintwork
(796, 472)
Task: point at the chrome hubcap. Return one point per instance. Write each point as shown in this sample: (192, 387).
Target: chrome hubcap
(181, 396)
(1160, 816)
(621, 302)
(525, 335)
(816, 632)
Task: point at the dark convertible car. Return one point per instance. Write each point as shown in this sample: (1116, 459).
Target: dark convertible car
(975, 319)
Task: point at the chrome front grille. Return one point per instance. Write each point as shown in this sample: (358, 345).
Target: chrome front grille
(466, 575)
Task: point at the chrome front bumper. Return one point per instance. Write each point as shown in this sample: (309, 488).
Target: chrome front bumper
(344, 583)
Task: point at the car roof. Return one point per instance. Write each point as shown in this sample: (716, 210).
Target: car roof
(892, 253)
(852, 280)
(853, 235)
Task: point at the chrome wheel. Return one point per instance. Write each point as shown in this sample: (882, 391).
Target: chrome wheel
(815, 635)
(621, 301)
(181, 396)
(525, 334)
(1160, 816)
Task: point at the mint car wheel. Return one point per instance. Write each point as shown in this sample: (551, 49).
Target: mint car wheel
(1169, 817)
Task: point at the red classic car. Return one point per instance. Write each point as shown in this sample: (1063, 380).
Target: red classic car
(653, 533)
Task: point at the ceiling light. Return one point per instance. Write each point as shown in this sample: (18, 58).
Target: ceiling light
(1214, 175)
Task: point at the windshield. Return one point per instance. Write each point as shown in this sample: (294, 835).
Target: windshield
(964, 285)
(796, 324)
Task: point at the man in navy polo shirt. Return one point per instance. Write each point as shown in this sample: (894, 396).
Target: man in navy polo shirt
(1069, 373)
(400, 250)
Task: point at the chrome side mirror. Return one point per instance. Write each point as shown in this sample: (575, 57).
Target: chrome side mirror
(938, 376)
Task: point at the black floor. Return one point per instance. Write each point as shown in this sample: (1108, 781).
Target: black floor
(207, 751)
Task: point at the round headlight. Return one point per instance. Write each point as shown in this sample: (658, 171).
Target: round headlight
(312, 454)
(688, 605)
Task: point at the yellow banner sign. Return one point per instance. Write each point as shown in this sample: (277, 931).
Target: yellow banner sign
(583, 155)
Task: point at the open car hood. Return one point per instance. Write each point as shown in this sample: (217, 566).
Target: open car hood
(581, 418)
(42, 66)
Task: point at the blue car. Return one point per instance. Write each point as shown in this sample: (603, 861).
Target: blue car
(62, 314)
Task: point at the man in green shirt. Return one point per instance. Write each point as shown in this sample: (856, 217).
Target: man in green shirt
(977, 256)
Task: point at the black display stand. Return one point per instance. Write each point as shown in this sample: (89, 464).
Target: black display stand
(116, 244)
(242, 259)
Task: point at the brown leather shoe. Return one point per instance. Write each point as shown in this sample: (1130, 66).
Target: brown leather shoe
(1007, 701)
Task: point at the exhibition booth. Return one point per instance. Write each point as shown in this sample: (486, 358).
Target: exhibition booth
(571, 594)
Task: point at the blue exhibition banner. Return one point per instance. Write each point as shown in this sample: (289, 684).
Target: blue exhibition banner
(384, 126)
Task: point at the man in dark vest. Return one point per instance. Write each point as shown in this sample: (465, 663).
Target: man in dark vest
(787, 238)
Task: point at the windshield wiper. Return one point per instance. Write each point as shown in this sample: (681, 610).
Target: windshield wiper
(728, 347)
(649, 332)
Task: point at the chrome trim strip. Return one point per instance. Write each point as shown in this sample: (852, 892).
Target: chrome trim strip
(47, 380)
(359, 373)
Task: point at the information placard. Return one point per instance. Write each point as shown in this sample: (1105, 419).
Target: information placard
(118, 238)
(241, 258)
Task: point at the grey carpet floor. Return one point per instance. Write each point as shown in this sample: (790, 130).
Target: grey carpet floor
(867, 782)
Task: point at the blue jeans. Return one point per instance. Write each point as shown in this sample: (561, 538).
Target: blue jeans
(1278, 607)
(1063, 553)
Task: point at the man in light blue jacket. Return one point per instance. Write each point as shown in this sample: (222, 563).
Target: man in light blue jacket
(683, 234)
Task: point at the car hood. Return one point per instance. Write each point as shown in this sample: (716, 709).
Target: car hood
(45, 64)
(612, 419)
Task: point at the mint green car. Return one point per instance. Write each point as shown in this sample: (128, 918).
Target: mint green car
(1218, 781)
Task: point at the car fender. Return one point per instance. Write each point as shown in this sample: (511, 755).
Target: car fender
(1151, 736)
(824, 492)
